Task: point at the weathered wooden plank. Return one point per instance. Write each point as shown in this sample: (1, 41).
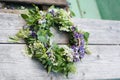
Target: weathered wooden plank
(101, 31)
(104, 63)
(15, 66)
(11, 21)
(48, 2)
(15, 11)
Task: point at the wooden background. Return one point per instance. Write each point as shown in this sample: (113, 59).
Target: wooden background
(103, 63)
(43, 2)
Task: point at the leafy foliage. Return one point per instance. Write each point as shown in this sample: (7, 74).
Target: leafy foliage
(37, 36)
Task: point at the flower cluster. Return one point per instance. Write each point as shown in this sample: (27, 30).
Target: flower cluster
(78, 48)
(37, 35)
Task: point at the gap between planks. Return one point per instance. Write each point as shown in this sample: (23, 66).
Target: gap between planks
(67, 44)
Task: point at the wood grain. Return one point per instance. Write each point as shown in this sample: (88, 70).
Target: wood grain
(101, 31)
(104, 63)
(48, 2)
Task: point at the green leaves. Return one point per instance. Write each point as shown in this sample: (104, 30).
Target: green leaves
(72, 13)
(32, 17)
(23, 33)
(86, 36)
(44, 35)
(14, 39)
(24, 16)
(42, 39)
(49, 69)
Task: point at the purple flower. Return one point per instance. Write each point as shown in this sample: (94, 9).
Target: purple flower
(81, 51)
(73, 28)
(76, 56)
(33, 34)
(82, 55)
(80, 36)
(75, 48)
(82, 42)
(52, 12)
(75, 59)
(76, 35)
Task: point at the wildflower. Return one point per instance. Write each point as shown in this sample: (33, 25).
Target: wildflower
(42, 21)
(33, 34)
(81, 51)
(52, 12)
(82, 42)
(80, 36)
(76, 59)
(76, 35)
(73, 28)
(74, 48)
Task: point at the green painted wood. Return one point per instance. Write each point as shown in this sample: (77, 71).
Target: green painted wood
(82, 9)
(89, 9)
(109, 9)
(74, 7)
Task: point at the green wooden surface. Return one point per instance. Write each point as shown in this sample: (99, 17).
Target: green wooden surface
(96, 9)
(89, 9)
(74, 7)
(84, 8)
(109, 9)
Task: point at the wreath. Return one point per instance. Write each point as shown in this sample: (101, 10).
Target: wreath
(37, 36)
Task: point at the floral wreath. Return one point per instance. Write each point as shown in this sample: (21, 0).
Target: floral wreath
(37, 35)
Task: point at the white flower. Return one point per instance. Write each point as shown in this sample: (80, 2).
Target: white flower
(41, 21)
(41, 12)
(55, 64)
